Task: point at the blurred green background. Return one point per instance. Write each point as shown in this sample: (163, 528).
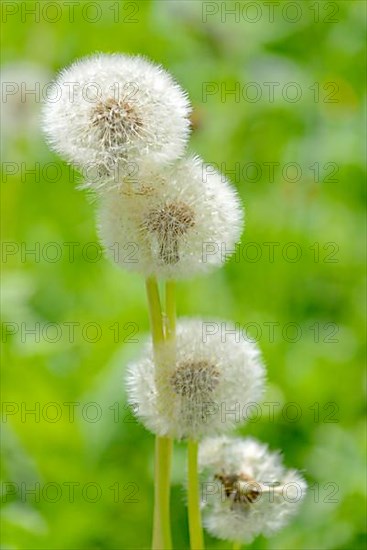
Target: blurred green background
(90, 318)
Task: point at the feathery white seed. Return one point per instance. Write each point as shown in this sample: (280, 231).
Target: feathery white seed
(197, 387)
(173, 222)
(245, 489)
(109, 110)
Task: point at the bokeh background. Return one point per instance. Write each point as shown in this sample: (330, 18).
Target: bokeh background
(90, 318)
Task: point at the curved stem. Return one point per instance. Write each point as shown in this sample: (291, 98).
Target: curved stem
(195, 528)
(163, 445)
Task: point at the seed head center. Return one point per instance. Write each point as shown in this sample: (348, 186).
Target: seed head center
(241, 489)
(116, 121)
(169, 222)
(195, 379)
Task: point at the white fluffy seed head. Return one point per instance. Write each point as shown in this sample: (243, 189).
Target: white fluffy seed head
(201, 387)
(246, 490)
(173, 222)
(108, 110)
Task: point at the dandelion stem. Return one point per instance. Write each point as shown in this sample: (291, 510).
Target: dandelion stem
(237, 546)
(171, 309)
(162, 527)
(155, 311)
(163, 445)
(195, 528)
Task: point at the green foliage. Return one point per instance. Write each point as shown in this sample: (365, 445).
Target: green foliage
(315, 304)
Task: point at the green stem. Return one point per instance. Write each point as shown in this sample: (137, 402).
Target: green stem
(237, 546)
(170, 310)
(195, 528)
(155, 311)
(162, 527)
(163, 445)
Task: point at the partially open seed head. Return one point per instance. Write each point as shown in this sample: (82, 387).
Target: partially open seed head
(257, 494)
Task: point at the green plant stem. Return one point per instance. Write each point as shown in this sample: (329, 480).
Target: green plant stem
(237, 546)
(162, 472)
(195, 528)
(170, 310)
(163, 445)
(155, 311)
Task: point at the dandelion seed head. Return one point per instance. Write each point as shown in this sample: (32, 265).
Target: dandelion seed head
(108, 110)
(196, 384)
(181, 223)
(255, 494)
